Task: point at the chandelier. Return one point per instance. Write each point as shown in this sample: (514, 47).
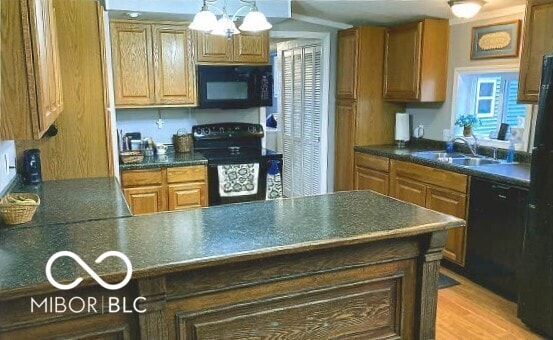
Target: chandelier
(206, 21)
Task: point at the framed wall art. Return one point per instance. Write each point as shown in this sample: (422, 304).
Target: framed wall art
(496, 41)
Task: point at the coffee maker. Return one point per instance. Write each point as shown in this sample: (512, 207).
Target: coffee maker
(31, 167)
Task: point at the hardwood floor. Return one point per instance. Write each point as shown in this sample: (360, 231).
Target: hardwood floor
(469, 311)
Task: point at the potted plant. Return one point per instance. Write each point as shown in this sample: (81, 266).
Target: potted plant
(467, 122)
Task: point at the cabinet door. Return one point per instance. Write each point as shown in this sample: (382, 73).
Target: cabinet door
(367, 179)
(189, 195)
(402, 64)
(451, 203)
(133, 68)
(409, 191)
(346, 122)
(144, 200)
(175, 73)
(214, 49)
(45, 60)
(251, 48)
(538, 41)
(346, 82)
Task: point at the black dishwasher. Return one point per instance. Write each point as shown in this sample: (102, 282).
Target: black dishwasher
(495, 233)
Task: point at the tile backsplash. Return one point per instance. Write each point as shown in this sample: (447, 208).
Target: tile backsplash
(144, 120)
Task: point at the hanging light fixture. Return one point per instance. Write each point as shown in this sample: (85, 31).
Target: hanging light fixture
(255, 21)
(466, 8)
(206, 21)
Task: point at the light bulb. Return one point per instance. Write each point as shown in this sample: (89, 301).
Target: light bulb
(466, 8)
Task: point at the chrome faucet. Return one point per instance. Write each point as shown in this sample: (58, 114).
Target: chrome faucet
(472, 146)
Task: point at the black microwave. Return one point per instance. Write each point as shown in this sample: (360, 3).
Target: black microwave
(235, 87)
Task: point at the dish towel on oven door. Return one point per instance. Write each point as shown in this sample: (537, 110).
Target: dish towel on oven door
(238, 179)
(274, 181)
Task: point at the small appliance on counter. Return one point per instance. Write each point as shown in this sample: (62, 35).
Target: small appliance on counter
(31, 167)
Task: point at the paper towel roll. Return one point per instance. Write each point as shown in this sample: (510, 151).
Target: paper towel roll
(402, 127)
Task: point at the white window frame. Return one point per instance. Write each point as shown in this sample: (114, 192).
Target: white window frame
(479, 82)
(530, 110)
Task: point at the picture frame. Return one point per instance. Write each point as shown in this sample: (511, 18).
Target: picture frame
(501, 40)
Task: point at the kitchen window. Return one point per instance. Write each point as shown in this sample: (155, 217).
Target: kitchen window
(491, 96)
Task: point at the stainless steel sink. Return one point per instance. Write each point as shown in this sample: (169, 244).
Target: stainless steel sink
(455, 158)
(438, 155)
(474, 161)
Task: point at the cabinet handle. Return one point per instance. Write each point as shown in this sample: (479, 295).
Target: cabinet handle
(502, 196)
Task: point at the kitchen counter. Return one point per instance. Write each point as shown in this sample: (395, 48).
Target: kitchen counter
(75, 200)
(515, 174)
(170, 159)
(349, 250)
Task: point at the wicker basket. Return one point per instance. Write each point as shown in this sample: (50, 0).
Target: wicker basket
(182, 141)
(18, 213)
(131, 156)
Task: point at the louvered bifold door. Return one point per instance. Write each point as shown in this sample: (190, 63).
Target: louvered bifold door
(302, 118)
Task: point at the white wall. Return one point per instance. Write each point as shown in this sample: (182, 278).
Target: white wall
(144, 120)
(437, 116)
(7, 174)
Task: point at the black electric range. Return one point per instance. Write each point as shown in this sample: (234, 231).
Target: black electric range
(233, 144)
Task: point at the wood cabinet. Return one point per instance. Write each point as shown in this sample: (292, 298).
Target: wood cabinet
(156, 190)
(415, 67)
(537, 42)
(371, 173)
(243, 48)
(31, 76)
(438, 190)
(362, 117)
(153, 64)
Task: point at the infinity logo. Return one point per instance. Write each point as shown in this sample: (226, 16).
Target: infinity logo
(88, 270)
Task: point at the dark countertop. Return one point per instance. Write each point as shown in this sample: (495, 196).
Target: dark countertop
(177, 241)
(170, 159)
(74, 200)
(515, 174)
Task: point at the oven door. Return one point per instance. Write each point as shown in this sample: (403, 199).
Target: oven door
(213, 179)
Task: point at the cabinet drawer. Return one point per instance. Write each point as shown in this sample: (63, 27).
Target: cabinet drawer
(133, 178)
(367, 179)
(195, 173)
(372, 162)
(437, 177)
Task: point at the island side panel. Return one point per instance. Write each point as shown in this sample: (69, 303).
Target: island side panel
(358, 291)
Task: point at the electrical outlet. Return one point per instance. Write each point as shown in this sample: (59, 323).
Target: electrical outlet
(7, 163)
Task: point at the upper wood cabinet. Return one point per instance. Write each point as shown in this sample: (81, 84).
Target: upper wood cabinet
(415, 67)
(31, 76)
(175, 81)
(346, 82)
(153, 64)
(243, 48)
(133, 67)
(537, 42)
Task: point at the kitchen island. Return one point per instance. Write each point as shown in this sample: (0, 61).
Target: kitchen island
(352, 264)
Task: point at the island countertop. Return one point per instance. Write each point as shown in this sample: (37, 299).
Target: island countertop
(176, 241)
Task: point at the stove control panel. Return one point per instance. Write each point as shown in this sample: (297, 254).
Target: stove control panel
(227, 130)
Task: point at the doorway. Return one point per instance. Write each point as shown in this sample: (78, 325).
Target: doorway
(303, 115)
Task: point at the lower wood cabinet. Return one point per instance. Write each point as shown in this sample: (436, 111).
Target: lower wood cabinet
(438, 190)
(371, 173)
(145, 200)
(435, 189)
(156, 190)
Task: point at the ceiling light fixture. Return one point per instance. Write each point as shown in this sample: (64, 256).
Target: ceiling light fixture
(466, 8)
(206, 21)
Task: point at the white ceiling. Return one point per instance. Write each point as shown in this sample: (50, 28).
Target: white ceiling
(382, 12)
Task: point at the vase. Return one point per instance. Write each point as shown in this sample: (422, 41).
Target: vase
(467, 131)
